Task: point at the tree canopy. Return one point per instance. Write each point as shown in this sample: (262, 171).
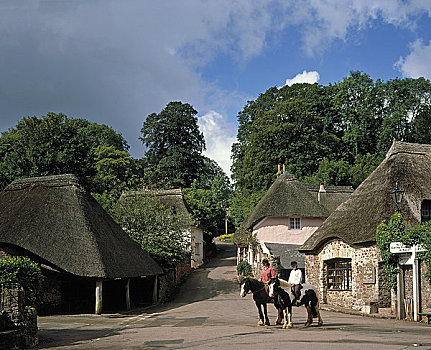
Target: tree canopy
(174, 146)
(159, 229)
(336, 134)
(55, 144)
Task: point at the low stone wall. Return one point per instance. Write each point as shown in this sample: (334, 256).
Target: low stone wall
(169, 282)
(18, 324)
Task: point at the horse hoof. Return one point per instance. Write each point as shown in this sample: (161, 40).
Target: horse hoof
(285, 326)
(260, 323)
(290, 325)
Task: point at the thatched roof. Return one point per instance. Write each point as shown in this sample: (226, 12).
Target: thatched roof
(54, 218)
(170, 198)
(356, 220)
(335, 195)
(287, 254)
(287, 196)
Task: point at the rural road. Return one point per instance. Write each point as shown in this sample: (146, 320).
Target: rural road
(209, 314)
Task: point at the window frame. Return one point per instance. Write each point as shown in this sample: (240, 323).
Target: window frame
(339, 274)
(426, 208)
(295, 223)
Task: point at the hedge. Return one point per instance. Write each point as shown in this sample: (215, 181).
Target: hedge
(24, 272)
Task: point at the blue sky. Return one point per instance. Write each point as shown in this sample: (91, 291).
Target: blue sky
(115, 62)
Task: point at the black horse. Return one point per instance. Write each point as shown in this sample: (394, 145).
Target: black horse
(282, 302)
(260, 297)
(308, 298)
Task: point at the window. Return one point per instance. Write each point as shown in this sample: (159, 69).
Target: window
(294, 223)
(426, 210)
(339, 274)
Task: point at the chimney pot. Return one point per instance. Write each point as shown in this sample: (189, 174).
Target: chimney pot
(321, 196)
(284, 168)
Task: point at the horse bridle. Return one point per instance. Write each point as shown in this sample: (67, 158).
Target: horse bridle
(264, 285)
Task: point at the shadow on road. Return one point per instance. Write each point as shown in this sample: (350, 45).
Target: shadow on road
(215, 278)
(69, 336)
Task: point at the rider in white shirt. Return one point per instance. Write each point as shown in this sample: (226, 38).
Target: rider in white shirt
(295, 279)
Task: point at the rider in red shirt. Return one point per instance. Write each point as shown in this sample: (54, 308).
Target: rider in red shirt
(267, 272)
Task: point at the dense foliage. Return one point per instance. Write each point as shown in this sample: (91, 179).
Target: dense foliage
(397, 231)
(55, 144)
(174, 146)
(209, 206)
(24, 272)
(159, 229)
(244, 269)
(336, 134)
(173, 159)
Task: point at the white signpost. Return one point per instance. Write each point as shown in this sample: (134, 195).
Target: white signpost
(400, 248)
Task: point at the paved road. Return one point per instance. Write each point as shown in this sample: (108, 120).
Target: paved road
(209, 314)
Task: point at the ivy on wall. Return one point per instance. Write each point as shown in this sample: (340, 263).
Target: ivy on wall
(21, 271)
(397, 231)
(244, 237)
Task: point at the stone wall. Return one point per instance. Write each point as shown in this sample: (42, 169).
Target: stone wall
(367, 287)
(18, 324)
(169, 282)
(425, 288)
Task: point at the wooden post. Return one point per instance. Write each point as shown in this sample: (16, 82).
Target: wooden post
(155, 290)
(99, 297)
(415, 284)
(128, 295)
(400, 294)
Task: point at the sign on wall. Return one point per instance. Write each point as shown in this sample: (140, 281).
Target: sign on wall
(368, 274)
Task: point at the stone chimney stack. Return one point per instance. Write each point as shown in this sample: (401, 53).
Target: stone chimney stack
(321, 196)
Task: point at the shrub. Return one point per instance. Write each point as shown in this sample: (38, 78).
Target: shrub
(244, 268)
(24, 272)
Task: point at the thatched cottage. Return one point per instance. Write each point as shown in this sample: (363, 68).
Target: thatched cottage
(285, 217)
(341, 256)
(174, 199)
(85, 256)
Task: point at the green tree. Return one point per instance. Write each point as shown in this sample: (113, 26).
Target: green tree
(174, 146)
(287, 125)
(116, 171)
(55, 144)
(21, 270)
(242, 204)
(407, 112)
(159, 230)
(359, 102)
(210, 206)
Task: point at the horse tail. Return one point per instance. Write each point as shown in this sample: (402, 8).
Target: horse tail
(314, 304)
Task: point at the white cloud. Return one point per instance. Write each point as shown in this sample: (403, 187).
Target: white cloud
(304, 77)
(417, 63)
(322, 22)
(219, 137)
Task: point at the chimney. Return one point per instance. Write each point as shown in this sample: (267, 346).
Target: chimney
(279, 169)
(321, 196)
(284, 168)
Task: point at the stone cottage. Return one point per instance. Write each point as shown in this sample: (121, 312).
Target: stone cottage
(85, 256)
(284, 218)
(341, 256)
